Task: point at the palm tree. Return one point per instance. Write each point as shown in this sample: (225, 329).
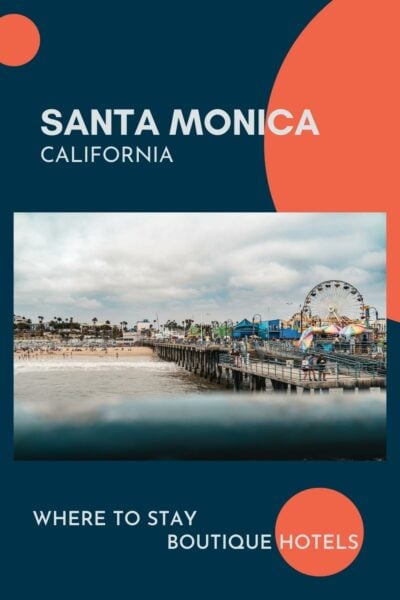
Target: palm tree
(41, 326)
(94, 321)
(107, 328)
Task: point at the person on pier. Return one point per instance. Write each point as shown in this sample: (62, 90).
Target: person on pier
(321, 367)
(305, 367)
(311, 367)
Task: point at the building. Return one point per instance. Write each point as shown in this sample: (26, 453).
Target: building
(19, 319)
(244, 328)
(143, 327)
(379, 325)
(129, 337)
(276, 329)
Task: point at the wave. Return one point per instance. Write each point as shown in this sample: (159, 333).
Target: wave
(36, 366)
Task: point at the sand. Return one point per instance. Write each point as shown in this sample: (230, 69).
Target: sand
(86, 353)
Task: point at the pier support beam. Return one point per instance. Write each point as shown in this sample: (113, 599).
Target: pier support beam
(237, 380)
(279, 385)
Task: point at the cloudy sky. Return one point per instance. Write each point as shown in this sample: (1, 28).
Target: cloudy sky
(130, 266)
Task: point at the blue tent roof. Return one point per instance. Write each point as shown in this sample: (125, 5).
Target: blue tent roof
(244, 328)
(244, 323)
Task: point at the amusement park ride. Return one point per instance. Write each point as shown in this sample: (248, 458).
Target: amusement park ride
(334, 314)
(334, 302)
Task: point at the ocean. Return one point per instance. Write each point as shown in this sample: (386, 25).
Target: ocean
(97, 408)
(82, 388)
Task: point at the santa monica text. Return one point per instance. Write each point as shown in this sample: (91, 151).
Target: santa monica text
(128, 121)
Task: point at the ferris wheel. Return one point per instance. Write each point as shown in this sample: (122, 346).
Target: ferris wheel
(333, 301)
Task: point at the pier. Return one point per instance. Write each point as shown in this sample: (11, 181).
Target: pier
(261, 375)
(241, 372)
(199, 360)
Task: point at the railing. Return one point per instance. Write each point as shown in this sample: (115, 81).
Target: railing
(182, 344)
(332, 371)
(347, 363)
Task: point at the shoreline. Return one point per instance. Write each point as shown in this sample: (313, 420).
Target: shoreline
(72, 353)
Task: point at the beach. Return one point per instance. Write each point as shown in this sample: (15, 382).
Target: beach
(84, 352)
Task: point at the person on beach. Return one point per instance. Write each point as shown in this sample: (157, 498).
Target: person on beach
(321, 366)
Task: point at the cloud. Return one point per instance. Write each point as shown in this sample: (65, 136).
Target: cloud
(178, 265)
(374, 260)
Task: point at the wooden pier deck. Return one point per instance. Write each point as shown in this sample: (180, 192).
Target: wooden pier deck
(285, 376)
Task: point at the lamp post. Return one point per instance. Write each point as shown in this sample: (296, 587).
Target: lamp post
(228, 323)
(254, 320)
(368, 314)
(188, 324)
(214, 325)
(201, 324)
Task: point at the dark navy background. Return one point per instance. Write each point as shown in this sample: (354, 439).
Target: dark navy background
(161, 55)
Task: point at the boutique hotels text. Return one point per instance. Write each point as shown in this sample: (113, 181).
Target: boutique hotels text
(182, 532)
(124, 123)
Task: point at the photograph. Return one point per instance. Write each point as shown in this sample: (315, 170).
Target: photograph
(199, 336)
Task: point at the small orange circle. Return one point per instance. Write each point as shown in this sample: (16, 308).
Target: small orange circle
(19, 40)
(319, 532)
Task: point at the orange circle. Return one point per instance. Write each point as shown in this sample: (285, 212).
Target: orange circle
(351, 87)
(319, 532)
(19, 40)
